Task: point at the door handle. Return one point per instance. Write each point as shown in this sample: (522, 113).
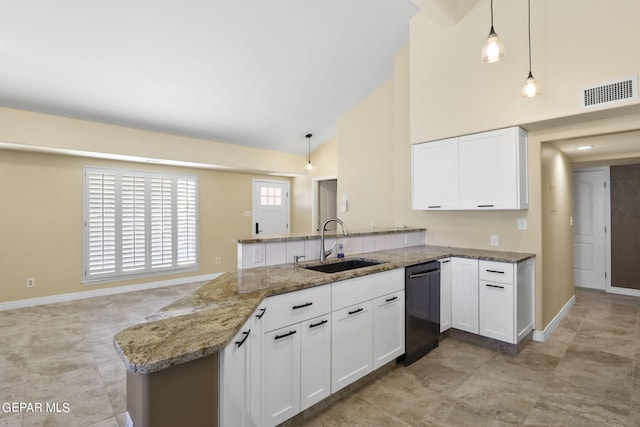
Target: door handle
(246, 335)
(257, 228)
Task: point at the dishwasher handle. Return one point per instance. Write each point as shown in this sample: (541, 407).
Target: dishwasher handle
(424, 273)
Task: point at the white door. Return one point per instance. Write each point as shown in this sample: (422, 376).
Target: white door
(270, 207)
(589, 237)
(464, 294)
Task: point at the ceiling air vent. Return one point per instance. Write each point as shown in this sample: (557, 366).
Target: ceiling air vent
(609, 93)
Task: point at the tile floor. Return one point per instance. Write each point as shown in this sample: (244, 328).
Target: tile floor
(584, 375)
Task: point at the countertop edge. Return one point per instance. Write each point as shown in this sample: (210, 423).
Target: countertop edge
(355, 233)
(217, 345)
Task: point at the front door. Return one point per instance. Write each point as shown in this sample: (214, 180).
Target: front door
(270, 207)
(589, 235)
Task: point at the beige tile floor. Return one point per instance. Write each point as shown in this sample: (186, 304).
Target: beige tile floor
(584, 375)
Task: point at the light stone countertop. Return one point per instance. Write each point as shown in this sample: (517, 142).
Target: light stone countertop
(204, 322)
(256, 238)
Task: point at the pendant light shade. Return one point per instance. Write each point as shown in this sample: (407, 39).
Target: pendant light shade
(308, 136)
(493, 48)
(530, 87)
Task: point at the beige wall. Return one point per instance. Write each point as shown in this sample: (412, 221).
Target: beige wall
(575, 44)
(325, 164)
(42, 213)
(27, 130)
(557, 241)
(365, 160)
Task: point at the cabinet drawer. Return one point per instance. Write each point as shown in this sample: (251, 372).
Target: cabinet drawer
(295, 307)
(501, 272)
(365, 288)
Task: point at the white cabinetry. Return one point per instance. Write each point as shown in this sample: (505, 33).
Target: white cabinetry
(435, 174)
(351, 344)
(506, 300)
(235, 380)
(315, 360)
(294, 350)
(388, 328)
(464, 294)
(355, 333)
(481, 171)
(445, 294)
(493, 170)
(282, 374)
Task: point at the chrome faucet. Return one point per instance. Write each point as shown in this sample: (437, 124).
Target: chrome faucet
(324, 254)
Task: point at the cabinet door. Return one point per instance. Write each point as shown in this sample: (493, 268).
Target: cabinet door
(445, 294)
(490, 170)
(255, 369)
(281, 374)
(388, 328)
(351, 344)
(496, 311)
(435, 174)
(464, 294)
(315, 361)
(234, 379)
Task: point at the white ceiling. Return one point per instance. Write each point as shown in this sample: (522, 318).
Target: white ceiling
(254, 72)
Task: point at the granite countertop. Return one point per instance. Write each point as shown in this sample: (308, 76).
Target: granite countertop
(256, 238)
(204, 322)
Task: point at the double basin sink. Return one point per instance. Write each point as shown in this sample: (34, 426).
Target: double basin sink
(336, 267)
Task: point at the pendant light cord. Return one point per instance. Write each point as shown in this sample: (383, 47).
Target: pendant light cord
(529, 4)
(491, 14)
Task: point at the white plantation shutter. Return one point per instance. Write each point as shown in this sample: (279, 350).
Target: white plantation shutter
(139, 223)
(161, 222)
(187, 220)
(100, 235)
(133, 223)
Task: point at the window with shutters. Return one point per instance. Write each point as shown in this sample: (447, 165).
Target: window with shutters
(139, 223)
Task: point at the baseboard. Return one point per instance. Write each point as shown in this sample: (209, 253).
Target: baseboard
(31, 302)
(542, 336)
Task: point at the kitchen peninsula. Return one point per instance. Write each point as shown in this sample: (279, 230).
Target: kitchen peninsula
(173, 360)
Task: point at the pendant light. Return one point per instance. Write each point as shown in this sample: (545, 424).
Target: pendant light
(530, 87)
(493, 49)
(308, 136)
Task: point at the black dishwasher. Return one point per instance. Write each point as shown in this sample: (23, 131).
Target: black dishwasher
(422, 310)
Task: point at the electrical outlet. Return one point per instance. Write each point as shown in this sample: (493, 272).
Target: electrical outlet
(495, 240)
(522, 223)
(31, 282)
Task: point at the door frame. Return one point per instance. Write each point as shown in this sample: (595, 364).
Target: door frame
(607, 222)
(253, 210)
(315, 202)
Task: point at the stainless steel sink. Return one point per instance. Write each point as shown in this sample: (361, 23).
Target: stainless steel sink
(336, 267)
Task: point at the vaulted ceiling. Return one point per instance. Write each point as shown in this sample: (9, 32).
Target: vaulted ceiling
(256, 73)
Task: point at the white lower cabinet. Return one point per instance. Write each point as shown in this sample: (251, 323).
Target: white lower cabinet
(281, 374)
(351, 344)
(234, 374)
(388, 328)
(315, 361)
(496, 311)
(445, 294)
(464, 294)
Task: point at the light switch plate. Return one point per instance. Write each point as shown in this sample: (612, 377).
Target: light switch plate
(495, 240)
(522, 223)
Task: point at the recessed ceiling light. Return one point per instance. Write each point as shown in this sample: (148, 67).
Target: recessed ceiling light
(585, 147)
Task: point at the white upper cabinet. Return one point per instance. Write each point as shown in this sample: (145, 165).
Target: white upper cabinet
(493, 170)
(483, 171)
(435, 175)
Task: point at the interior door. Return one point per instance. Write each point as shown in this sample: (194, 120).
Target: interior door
(327, 202)
(589, 236)
(270, 207)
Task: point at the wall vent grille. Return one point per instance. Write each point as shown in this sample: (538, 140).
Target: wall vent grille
(609, 93)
